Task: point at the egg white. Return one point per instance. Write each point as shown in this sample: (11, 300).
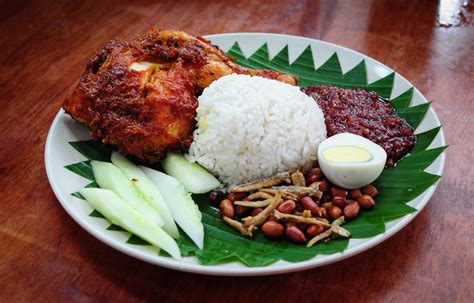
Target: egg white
(352, 175)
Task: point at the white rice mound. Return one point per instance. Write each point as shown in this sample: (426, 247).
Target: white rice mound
(251, 127)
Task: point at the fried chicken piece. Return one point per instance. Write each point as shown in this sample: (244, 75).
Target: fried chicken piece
(141, 96)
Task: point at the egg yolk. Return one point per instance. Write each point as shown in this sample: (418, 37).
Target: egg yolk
(344, 154)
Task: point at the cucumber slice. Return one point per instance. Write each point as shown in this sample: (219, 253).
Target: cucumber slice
(119, 212)
(193, 176)
(148, 190)
(108, 176)
(185, 212)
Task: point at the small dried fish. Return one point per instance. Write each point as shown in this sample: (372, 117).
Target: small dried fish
(338, 221)
(298, 178)
(302, 219)
(335, 230)
(245, 231)
(319, 237)
(341, 231)
(299, 191)
(254, 204)
(286, 196)
(257, 184)
(258, 196)
(264, 214)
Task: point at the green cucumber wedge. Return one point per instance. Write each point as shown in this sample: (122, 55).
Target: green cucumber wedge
(119, 212)
(108, 176)
(148, 190)
(185, 212)
(194, 177)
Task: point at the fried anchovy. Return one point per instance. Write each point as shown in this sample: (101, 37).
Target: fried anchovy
(295, 218)
(297, 178)
(287, 196)
(334, 230)
(257, 184)
(264, 214)
(245, 231)
(258, 196)
(300, 191)
(254, 204)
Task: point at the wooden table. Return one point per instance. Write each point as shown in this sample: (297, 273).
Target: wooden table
(46, 256)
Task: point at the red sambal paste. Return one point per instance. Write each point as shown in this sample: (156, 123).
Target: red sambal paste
(364, 113)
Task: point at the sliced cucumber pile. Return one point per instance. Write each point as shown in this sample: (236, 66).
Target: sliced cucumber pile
(147, 202)
(194, 177)
(108, 176)
(119, 212)
(148, 190)
(184, 210)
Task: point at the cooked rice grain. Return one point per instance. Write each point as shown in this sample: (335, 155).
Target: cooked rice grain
(252, 127)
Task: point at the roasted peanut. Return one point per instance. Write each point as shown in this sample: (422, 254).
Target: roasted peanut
(318, 212)
(324, 186)
(241, 211)
(311, 179)
(308, 203)
(299, 208)
(287, 207)
(316, 171)
(302, 226)
(236, 196)
(216, 197)
(351, 210)
(366, 201)
(256, 211)
(370, 190)
(314, 230)
(294, 234)
(272, 229)
(326, 198)
(334, 212)
(326, 205)
(272, 218)
(356, 193)
(323, 211)
(339, 192)
(339, 201)
(227, 209)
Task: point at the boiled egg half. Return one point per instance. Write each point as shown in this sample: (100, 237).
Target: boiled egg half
(351, 161)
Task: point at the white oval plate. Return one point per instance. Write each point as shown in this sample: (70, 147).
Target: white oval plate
(59, 153)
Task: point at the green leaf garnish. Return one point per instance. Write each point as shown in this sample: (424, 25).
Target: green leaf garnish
(403, 100)
(414, 114)
(92, 150)
(115, 228)
(83, 169)
(423, 140)
(135, 240)
(96, 214)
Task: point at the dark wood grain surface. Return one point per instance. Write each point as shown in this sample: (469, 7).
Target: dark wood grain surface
(46, 256)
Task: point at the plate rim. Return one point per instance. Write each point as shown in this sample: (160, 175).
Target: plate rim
(246, 271)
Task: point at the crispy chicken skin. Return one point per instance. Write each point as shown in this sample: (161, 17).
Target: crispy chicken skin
(141, 96)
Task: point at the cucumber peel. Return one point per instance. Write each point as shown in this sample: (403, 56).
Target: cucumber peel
(185, 212)
(195, 178)
(119, 212)
(149, 191)
(108, 176)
